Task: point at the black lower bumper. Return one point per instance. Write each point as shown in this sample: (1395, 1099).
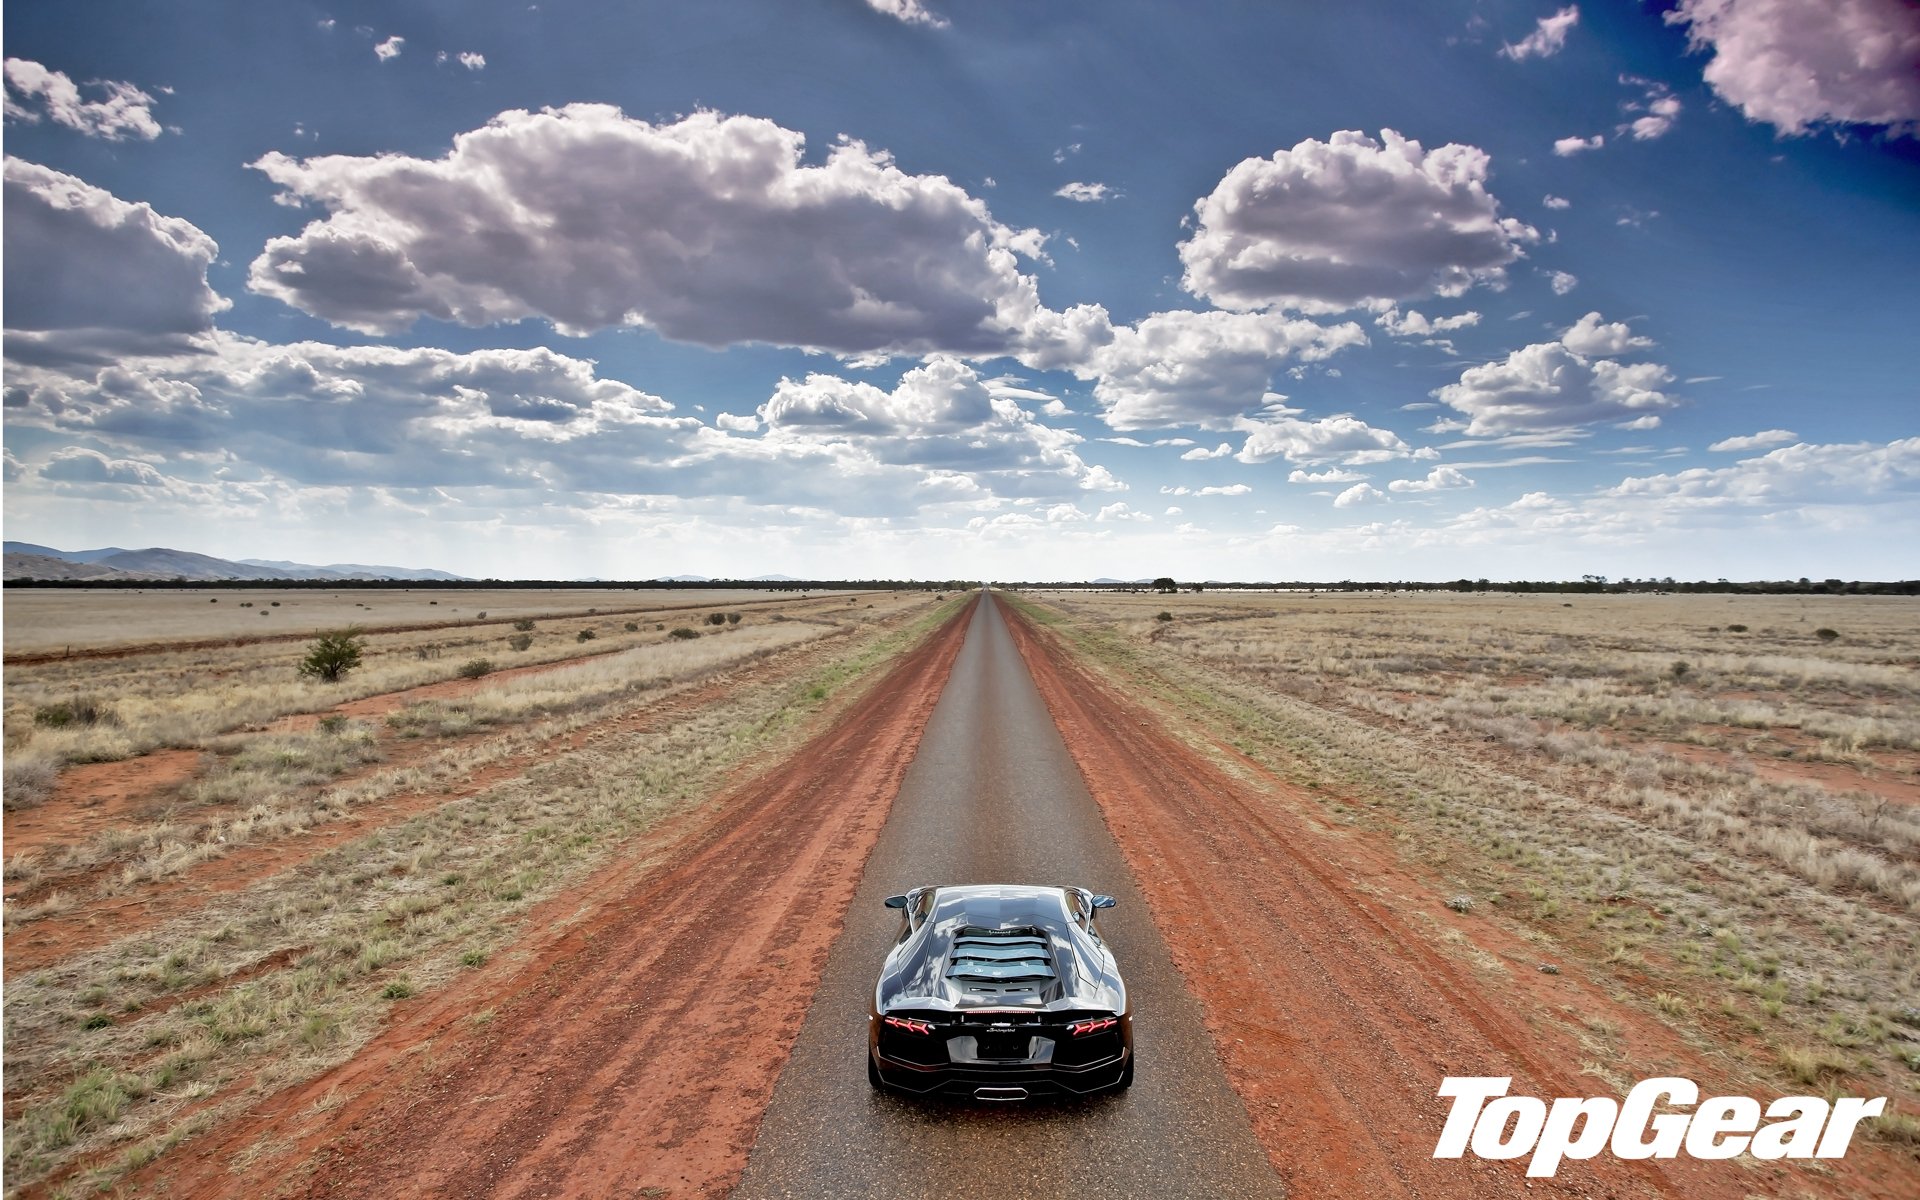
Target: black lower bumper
(1011, 1082)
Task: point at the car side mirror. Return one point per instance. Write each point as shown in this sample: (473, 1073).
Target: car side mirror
(896, 901)
(1103, 901)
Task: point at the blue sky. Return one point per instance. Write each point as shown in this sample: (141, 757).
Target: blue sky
(970, 287)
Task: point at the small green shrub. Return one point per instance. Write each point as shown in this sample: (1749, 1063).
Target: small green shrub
(75, 710)
(474, 958)
(734, 618)
(332, 655)
(474, 668)
(633, 627)
(585, 635)
(716, 618)
(1679, 668)
(683, 633)
(1826, 635)
(524, 625)
(333, 723)
(1736, 629)
(399, 989)
(1163, 616)
(520, 641)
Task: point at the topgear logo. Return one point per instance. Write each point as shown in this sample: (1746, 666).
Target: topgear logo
(1721, 1127)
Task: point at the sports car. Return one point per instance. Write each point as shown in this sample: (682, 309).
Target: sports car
(1000, 992)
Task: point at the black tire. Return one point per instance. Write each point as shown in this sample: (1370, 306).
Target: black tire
(873, 1074)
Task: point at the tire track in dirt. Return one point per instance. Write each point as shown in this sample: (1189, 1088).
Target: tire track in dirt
(635, 1043)
(1335, 1018)
(99, 919)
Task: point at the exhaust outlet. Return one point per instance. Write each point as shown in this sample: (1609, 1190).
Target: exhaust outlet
(1000, 1093)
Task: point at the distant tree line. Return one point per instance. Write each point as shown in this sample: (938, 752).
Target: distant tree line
(1596, 584)
(492, 585)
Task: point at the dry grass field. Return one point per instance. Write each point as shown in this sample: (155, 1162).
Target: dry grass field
(220, 875)
(1710, 804)
(42, 620)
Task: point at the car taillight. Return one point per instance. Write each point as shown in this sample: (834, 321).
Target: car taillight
(1092, 1025)
(910, 1024)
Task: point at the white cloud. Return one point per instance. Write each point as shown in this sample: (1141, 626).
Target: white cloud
(1756, 441)
(1339, 439)
(1413, 324)
(90, 275)
(1568, 146)
(1562, 282)
(78, 465)
(1550, 387)
(940, 415)
(737, 423)
(33, 91)
(1437, 480)
(1330, 475)
(390, 49)
(1085, 193)
(1548, 37)
(473, 61)
(1200, 452)
(1202, 368)
(1332, 225)
(1795, 64)
(708, 230)
(1556, 202)
(1358, 494)
(1798, 474)
(1231, 489)
(1174, 510)
(1592, 337)
(1662, 111)
(912, 12)
(1120, 512)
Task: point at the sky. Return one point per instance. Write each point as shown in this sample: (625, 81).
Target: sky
(999, 289)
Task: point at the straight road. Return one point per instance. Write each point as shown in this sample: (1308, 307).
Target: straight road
(992, 796)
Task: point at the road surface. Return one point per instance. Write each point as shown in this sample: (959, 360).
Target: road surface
(993, 797)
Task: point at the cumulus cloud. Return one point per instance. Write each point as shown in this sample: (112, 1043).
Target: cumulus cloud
(1085, 193)
(472, 60)
(1121, 512)
(1330, 475)
(940, 415)
(1593, 337)
(1551, 387)
(1358, 494)
(78, 465)
(1755, 441)
(1660, 109)
(1231, 489)
(33, 91)
(1332, 225)
(390, 49)
(92, 275)
(1556, 202)
(1198, 453)
(1413, 324)
(1796, 65)
(1798, 474)
(1569, 146)
(911, 12)
(1439, 479)
(738, 423)
(1562, 282)
(1339, 439)
(709, 230)
(1549, 36)
(1202, 368)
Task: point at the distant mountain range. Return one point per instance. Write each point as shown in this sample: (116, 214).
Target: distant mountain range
(25, 560)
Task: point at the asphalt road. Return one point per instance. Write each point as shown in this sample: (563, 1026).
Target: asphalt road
(993, 797)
